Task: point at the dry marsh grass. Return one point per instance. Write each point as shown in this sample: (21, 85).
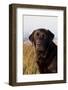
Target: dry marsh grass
(29, 61)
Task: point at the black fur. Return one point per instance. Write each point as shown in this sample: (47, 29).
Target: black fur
(46, 50)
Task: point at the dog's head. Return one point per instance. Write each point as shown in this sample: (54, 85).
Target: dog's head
(41, 38)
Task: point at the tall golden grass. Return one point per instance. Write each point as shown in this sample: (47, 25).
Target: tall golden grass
(29, 60)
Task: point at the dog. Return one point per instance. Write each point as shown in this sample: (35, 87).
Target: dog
(45, 49)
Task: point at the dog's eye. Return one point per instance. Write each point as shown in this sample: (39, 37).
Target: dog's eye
(44, 36)
(37, 34)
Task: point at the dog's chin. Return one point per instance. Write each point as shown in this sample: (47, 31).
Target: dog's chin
(40, 48)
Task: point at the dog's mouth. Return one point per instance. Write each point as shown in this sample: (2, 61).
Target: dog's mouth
(38, 42)
(39, 46)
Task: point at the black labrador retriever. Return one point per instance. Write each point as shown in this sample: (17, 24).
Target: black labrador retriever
(46, 50)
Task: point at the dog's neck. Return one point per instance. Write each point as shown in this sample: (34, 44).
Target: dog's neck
(43, 54)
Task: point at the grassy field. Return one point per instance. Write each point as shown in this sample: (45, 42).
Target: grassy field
(29, 62)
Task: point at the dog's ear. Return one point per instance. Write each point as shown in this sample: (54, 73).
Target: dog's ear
(31, 37)
(50, 35)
